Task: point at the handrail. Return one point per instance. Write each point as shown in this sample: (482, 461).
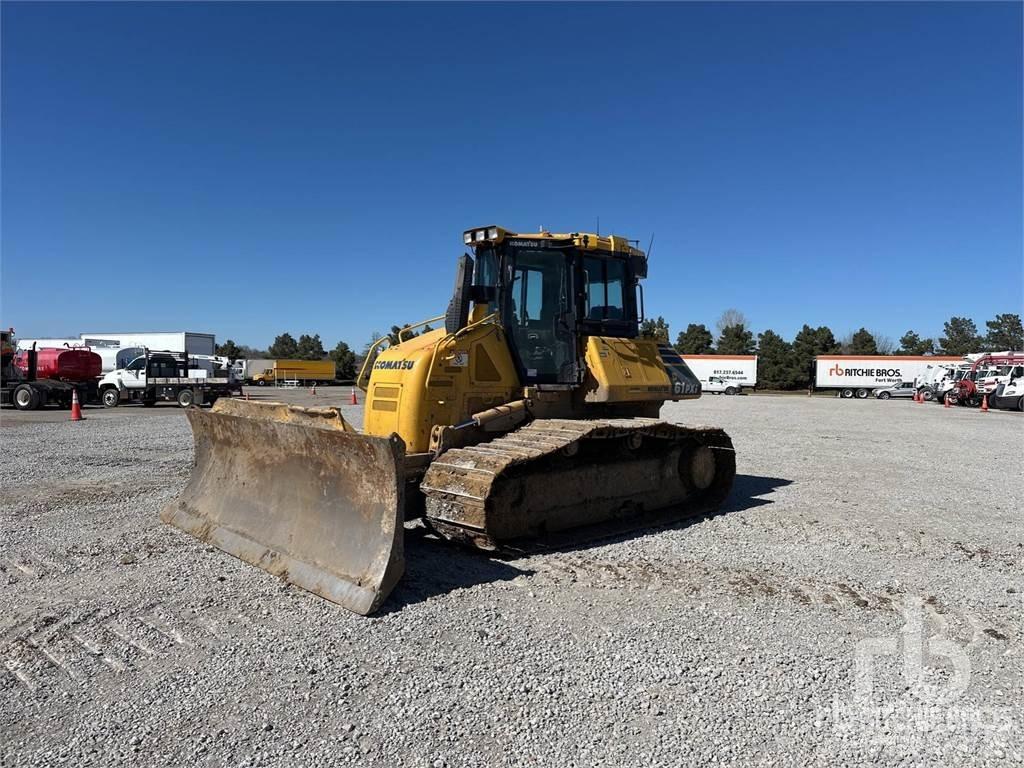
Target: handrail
(370, 350)
(366, 361)
(453, 337)
(417, 325)
(433, 357)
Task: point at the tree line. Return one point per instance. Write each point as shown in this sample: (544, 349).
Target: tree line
(786, 364)
(285, 347)
(781, 364)
(310, 347)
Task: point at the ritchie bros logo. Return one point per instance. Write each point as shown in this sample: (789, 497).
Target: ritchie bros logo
(836, 370)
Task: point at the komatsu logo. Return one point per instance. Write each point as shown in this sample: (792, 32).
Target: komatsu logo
(394, 365)
(836, 370)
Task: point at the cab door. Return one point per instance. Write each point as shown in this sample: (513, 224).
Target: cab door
(135, 374)
(540, 316)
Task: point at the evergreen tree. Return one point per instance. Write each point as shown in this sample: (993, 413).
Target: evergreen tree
(808, 344)
(736, 340)
(251, 353)
(695, 340)
(230, 350)
(775, 369)
(863, 343)
(961, 336)
(912, 344)
(309, 347)
(1005, 333)
(284, 347)
(395, 330)
(655, 329)
(345, 361)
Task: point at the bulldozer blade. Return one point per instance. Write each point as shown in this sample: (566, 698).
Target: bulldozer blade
(300, 494)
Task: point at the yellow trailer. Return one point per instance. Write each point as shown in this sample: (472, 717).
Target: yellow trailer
(303, 371)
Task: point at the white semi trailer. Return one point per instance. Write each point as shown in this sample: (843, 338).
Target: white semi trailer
(723, 374)
(858, 375)
(108, 344)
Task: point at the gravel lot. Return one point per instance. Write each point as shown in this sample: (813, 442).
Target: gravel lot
(885, 532)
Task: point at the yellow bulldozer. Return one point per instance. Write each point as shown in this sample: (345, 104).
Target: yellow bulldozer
(532, 414)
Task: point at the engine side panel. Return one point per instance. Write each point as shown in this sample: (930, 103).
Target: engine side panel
(627, 370)
(472, 371)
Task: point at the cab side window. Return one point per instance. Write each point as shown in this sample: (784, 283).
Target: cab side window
(604, 279)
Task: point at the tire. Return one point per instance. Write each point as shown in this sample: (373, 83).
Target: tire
(25, 397)
(261, 383)
(110, 397)
(927, 394)
(731, 390)
(884, 396)
(846, 393)
(1020, 403)
(186, 397)
(861, 394)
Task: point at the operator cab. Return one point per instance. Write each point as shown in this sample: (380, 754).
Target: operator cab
(551, 290)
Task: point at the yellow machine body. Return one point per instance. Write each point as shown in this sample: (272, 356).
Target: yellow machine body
(532, 410)
(436, 379)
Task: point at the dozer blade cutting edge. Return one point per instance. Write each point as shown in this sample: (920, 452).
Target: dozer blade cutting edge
(296, 492)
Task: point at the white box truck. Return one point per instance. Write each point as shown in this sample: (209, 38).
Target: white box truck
(246, 369)
(858, 375)
(174, 341)
(723, 374)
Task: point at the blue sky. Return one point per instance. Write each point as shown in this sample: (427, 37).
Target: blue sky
(250, 169)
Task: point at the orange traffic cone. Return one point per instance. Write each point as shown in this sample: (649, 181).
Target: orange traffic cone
(76, 407)
(246, 395)
(984, 403)
(354, 400)
(945, 401)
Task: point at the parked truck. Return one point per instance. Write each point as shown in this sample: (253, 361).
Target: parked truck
(168, 376)
(25, 390)
(987, 373)
(932, 378)
(858, 375)
(723, 374)
(78, 366)
(301, 372)
(1009, 395)
(246, 369)
(111, 346)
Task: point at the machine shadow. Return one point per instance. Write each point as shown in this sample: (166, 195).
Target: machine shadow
(747, 491)
(435, 567)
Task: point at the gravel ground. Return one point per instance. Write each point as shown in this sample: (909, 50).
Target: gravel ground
(858, 601)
